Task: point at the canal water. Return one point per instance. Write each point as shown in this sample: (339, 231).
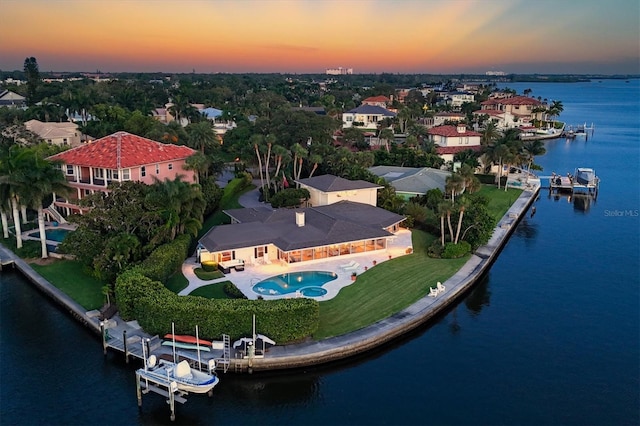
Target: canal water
(550, 336)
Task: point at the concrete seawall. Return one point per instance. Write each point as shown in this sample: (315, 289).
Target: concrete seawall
(354, 343)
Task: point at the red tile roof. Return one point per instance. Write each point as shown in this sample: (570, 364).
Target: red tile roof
(376, 99)
(456, 149)
(133, 151)
(451, 131)
(514, 100)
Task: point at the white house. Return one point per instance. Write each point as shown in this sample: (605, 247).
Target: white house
(329, 189)
(365, 117)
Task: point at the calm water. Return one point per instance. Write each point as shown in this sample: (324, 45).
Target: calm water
(550, 336)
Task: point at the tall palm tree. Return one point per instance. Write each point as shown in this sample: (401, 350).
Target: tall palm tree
(201, 135)
(13, 166)
(41, 180)
(316, 160)
(531, 149)
(489, 134)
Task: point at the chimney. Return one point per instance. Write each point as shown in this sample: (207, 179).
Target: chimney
(300, 218)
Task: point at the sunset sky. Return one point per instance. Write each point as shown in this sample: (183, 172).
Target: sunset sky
(308, 36)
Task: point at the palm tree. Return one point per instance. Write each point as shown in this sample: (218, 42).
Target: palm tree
(201, 135)
(531, 148)
(489, 133)
(299, 154)
(443, 208)
(13, 167)
(256, 140)
(316, 160)
(386, 135)
(281, 156)
(41, 180)
(454, 185)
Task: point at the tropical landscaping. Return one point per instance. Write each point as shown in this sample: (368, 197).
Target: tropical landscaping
(136, 237)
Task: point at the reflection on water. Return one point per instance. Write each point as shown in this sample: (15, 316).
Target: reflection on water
(582, 202)
(479, 296)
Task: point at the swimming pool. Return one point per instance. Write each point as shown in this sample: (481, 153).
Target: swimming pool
(57, 235)
(308, 283)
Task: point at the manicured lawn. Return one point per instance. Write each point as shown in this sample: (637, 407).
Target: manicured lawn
(211, 291)
(219, 217)
(69, 276)
(499, 200)
(385, 289)
(207, 275)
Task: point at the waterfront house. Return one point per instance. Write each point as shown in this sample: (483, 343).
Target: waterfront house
(381, 101)
(453, 139)
(441, 118)
(522, 108)
(365, 117)
(412, 181)
(119, 157)
(62, 134)
(341, 218)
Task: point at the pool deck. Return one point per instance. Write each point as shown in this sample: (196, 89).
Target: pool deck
(252, 274)
(48, 226)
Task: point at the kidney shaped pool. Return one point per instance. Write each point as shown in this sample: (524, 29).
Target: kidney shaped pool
(308, 283)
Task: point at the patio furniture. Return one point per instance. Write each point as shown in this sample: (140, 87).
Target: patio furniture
(440, 287)
(348, 265)
(433, 292)
(352, 267)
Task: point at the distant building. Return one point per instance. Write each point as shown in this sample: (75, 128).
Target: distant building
(497, 73)
(339, 71)
(412, 181)
(451, 140)
(54, 133)
(11, 100)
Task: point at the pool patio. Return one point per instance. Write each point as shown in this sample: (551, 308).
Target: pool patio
(252, 274)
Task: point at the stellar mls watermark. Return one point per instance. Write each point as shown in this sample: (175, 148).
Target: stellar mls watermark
(622, 213)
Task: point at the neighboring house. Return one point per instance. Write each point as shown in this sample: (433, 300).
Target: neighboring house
(502, 119)
(381, 101)
(54, 133)
(453, 139)
(316, 110)
(11, 99)
(412, 181)
(299, 235)
(329, 189)
(211, 113)
(160, 114)
(440, 118)
(365, 116)
(119, 157)
(456, 99)
(522, 108)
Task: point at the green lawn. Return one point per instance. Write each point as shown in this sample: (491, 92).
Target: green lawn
(385, 289)
(177, 282)
(211, 291)
(499, 200)
(219, 217)
(69, 276)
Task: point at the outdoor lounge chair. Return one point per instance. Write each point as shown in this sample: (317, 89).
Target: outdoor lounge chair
(440, 287)
(433, 292)
(348, 265)
(353, 267)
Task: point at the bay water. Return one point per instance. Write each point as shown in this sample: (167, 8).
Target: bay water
(550, 336)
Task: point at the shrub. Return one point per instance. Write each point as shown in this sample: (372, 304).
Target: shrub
(454, 251)
(166, 259)
(232, 291)
(156, 308)
(290, 197)
(210, 265)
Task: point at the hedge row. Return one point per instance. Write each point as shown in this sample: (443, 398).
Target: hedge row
(156, 308)
(491, 179)
(165, 260)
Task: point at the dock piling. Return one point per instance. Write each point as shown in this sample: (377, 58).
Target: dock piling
(124, 344)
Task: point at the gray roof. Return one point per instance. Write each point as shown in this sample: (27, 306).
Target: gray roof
(415, 180)
(332, 224)
(372, 110)
(331, 183)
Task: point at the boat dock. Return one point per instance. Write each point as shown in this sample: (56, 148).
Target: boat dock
(572, 184)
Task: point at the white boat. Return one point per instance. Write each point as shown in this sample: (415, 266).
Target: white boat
(585, 176)
(186, 378)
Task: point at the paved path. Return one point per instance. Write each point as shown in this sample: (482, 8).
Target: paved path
(251, 199)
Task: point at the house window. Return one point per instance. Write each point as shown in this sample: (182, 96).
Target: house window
(125, 174)
(225, 256)
(349, 118)
(143, 171)
(170, 166)
(69, 170)
(157, 169)
(87, 192)
(64, 141)
(98, 173)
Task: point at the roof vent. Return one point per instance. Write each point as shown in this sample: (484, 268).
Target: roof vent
(300, 218)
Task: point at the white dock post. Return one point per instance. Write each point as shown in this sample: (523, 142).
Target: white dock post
(124, 343)
(138, 391)
(173, 387)
(104, 337)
